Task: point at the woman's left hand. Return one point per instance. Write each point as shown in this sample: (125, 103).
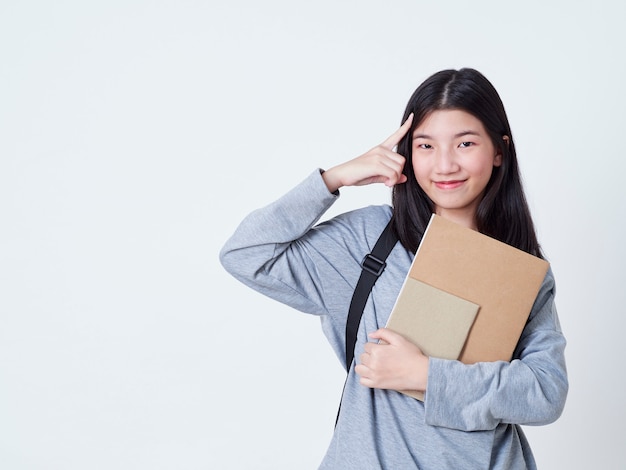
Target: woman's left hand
(395, 363)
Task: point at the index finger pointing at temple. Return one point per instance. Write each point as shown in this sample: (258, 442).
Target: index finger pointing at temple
(396, 137)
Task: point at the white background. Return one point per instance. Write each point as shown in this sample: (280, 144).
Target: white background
(134, 135)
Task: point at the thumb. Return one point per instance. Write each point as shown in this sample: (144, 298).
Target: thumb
(386, 335)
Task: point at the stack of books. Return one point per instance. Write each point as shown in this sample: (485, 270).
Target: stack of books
(467, 296)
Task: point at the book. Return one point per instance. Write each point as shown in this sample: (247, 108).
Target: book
(438, 322)
(467, 296)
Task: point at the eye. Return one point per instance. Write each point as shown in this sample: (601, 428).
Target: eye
(424, 146)
(466, 144)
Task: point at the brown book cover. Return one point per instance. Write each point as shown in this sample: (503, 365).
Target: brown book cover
(501, 280)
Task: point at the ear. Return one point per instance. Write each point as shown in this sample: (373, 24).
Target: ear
(497, 160)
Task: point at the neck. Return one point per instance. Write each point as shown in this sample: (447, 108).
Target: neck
(462, 218)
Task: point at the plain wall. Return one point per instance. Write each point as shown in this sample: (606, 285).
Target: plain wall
(134, 135)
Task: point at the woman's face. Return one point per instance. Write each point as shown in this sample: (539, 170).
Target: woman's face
(453, 158)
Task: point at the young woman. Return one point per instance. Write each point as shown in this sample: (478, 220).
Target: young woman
(455, 157)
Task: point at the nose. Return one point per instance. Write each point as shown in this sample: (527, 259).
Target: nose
(445, 162)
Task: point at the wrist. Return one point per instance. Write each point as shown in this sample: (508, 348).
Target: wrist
(421, 376)
(332, 183)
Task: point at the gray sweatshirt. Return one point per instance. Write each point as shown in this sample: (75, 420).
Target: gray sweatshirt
(471, 415)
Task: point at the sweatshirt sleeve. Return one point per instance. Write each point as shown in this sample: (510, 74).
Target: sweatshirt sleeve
(278, 251)
(529, 390)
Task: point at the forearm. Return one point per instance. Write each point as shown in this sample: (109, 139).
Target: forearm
(531, 389)
(483, 395)
(267, 232)
(275, 252)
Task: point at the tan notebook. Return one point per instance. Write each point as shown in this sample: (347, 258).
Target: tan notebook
(436, 321)
(503, 281)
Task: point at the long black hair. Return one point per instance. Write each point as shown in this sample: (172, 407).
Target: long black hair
(503, 212)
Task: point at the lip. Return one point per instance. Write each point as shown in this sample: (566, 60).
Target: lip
(447, 185)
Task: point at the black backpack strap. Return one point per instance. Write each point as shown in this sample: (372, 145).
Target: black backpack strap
(373, 265)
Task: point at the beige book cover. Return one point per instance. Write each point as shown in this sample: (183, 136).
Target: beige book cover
(501, 280)
(436, 321)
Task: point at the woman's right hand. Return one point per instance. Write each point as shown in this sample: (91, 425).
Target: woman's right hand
(382, 164)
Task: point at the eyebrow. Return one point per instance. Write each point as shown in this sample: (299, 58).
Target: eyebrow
(455, 136)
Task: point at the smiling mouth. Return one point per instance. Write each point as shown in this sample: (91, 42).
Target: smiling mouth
(449, 184)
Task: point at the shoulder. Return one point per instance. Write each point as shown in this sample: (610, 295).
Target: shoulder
(548, 286)
(543, 314)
